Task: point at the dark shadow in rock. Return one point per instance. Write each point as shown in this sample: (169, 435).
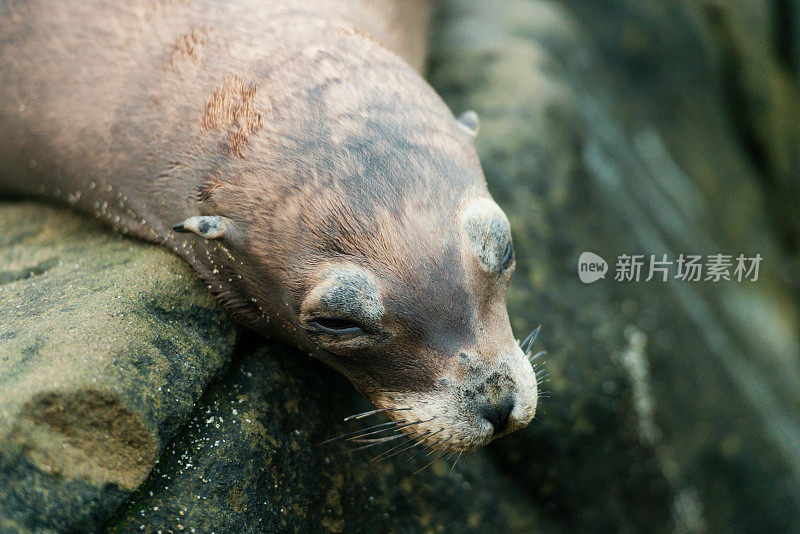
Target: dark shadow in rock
(86, 434)
(35, 270)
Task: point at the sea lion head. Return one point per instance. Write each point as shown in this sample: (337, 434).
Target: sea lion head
(390, 264)
(428, 337)
(401, 288)
(360, 229)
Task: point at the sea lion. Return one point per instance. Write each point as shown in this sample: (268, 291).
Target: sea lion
(290, 153)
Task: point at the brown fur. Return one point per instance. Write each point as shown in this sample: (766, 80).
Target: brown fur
(231, 111)
(298, 123)
(189, 46)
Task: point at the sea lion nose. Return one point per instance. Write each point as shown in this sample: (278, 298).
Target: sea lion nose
(498, 414)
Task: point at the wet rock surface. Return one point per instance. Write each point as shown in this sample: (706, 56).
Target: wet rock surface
(617, 127)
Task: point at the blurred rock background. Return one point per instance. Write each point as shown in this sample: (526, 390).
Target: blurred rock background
(129, 401)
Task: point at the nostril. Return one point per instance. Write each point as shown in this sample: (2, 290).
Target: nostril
(498, 415)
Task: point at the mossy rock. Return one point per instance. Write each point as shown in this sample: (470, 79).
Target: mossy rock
(105, 346)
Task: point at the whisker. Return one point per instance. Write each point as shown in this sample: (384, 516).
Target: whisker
(378, 441)
(427, 446)
(441, 453)
(396, 427)
(440, 443)
(530, 340)
(457, 459)
(390, 423)
(424, 467)
(388, 453)
(373, 412)
(537, 356)
(526, 340)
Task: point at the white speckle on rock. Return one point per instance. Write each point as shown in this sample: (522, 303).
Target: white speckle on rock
(634, 360)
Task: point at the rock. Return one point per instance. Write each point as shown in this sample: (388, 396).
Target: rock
(609, 127)
(109, 345)
(756, 39)
(792, 12)
(105, 345)
(605, 128)
(251, 461)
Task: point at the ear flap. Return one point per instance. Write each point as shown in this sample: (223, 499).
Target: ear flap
(208, 226)
(469, 122)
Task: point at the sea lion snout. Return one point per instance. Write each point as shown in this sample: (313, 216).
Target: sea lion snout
(453, 389)
(503, 394)
(475, 400)
(498, 414)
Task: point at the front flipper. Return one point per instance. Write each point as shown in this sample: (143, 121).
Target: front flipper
(208, 226)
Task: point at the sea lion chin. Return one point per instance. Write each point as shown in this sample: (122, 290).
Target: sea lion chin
(315, 181)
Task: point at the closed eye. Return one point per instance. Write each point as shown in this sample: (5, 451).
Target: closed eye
(508, 257)
(336, 326)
